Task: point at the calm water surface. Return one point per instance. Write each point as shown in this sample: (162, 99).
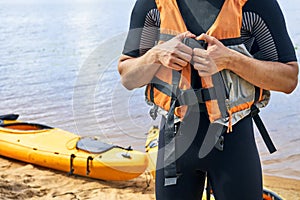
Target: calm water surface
(58, 67)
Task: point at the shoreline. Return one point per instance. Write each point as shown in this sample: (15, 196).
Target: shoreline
(288, 188)
(20, 180)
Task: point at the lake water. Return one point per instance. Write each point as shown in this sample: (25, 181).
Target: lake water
(58, 62)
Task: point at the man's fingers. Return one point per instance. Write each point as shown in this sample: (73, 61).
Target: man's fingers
(182, 47)
(183, 51)
(179, 54)
(180, 62)
(185, 55)
(186, 51)
(200, 52)
(187, 34)
(200, 56)
(207, 38)
(176, 63)
(200, 60)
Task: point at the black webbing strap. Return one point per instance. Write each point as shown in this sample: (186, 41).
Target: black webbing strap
(220, 91)
(72, 156)
(193, 43)
(170, 169)
(185, 97)
(262, 129)
(165, 37)
(151, 92)
(257, 94)
(161, 86)
(259, 123)
(90, 158)
(192, 97)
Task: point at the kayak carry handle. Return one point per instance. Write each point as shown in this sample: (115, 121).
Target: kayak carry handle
(71, 164)
(90, 158)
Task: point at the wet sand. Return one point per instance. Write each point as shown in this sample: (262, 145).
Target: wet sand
(20, 181)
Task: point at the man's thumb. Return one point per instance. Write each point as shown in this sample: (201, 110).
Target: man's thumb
(186, 34)
(207, 38)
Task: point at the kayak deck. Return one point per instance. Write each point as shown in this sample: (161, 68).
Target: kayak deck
(58, 149)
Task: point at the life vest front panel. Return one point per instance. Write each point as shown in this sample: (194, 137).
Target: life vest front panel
(227, 26)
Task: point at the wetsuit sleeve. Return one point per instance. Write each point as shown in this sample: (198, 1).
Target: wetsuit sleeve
(264, 20)
(141, 19)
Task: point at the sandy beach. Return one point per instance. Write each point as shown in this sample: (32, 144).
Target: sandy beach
(20, 181)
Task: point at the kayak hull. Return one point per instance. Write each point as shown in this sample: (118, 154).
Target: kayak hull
(56, 149)
(151, 149)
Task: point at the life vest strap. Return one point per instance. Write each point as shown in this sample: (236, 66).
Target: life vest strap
(165, 37)
(170, 169)
(192, 97)
(193, 43)
(185, 97)
(262, 129)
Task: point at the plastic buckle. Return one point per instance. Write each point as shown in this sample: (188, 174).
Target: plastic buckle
(254, 111)
(170, 181)
(220, 143)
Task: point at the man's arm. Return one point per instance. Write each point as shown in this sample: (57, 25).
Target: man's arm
(137, 72)
(268, 75)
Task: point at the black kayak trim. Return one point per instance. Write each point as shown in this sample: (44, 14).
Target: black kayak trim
(9, 117)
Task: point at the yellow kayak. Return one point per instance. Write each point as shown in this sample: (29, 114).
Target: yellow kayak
(61, 150)
(151, 149)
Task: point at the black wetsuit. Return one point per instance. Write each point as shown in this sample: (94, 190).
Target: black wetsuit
(235, 173)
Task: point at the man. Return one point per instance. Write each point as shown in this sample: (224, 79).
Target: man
(234, 172)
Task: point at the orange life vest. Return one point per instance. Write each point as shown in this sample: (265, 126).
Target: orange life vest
(227, 27)
(228, 99)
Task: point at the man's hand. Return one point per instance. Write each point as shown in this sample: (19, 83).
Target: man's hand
(212, 60)
(173, 53)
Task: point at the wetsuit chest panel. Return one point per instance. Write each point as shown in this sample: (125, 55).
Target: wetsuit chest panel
(199, 15)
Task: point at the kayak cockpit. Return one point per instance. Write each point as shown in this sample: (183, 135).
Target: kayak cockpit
(9, 124)
(93, 145)
(24, 126)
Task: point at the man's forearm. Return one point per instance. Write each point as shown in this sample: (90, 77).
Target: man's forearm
(137, 72)
(265, 74)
